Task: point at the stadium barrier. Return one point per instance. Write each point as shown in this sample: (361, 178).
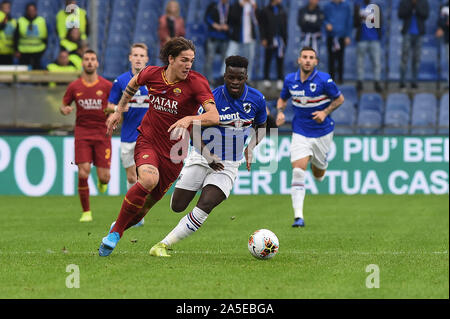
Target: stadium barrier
(43, 165)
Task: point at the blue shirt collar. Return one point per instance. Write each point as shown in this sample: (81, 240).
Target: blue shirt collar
(228, 96)
(310, 77)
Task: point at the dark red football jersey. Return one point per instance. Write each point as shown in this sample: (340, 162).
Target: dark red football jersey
(90, 99)
(169, 102)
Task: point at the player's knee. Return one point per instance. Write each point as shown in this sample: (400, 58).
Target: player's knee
(104, 178)
(83, 173)
(177, 206)
(318, 174)
(148, 182)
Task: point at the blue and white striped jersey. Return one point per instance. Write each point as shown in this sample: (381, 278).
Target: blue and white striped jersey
(236, 116)
(315, 94)
(138, 106)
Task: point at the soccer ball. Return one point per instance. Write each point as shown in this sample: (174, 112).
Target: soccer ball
(263, 244)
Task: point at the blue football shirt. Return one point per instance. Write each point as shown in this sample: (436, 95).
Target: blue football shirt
(138, 106)
(236, 117)
(315, 94)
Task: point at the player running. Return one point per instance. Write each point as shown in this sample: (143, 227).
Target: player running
(175, 93)
(314, 96)
(133, 114)
(92, 145)
(240, 107)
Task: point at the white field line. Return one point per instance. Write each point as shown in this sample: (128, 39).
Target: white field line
(218, 252)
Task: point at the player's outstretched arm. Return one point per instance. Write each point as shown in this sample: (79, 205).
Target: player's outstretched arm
(319, 116)
(114, 119)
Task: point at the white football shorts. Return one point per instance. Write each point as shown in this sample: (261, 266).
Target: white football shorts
(316, 147)
(127, 154)
(196, 174)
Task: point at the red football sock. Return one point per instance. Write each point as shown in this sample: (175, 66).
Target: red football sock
(83, 191)
(131, 206)
(141, 214)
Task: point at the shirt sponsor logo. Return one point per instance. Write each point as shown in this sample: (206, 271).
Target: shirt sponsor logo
(163, 104)
(228, 117)
(90, 104)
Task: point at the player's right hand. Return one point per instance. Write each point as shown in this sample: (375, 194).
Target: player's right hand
(65, 109)
(111, 122)
(280, 119)
(214, 162)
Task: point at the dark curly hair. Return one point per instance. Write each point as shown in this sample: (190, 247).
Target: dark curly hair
(174, 47)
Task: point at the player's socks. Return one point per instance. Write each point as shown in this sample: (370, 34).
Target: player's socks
(102, 187)
(131, 206)
(298, 191)
(83, 192)
(186, 227)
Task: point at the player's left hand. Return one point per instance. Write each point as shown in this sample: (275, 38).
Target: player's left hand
(248, 158)
(112, 122)
(319, 116)
(179, 128)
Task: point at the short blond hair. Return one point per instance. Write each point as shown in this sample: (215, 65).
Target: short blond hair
(139, 45)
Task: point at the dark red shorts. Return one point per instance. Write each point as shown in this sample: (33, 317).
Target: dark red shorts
(145, 153)
(93, 151)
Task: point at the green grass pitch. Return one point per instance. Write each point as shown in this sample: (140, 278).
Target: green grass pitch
(406, 237)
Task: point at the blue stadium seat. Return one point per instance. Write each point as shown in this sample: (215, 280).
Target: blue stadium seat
(443, 115)
(350, 94)
(344, 118)
(397, 115)
(371, 101)
(424, 111)
(428, 64)
(369, 122)
(18, 8)
(370, 115)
